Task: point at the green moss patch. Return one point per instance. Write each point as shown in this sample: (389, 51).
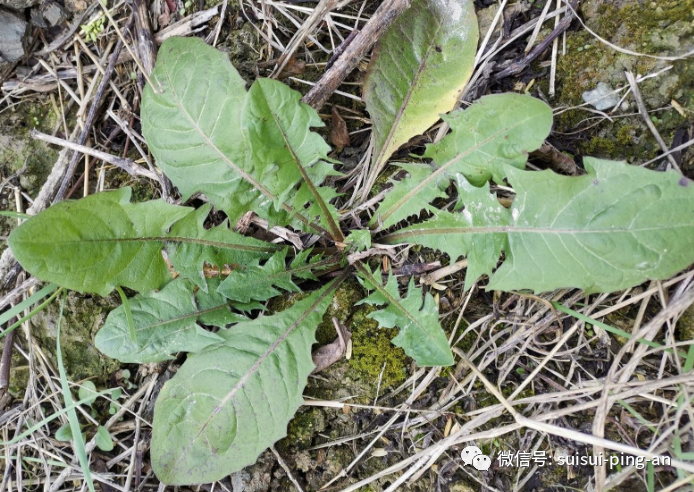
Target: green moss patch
(373, 352)
(663, 28)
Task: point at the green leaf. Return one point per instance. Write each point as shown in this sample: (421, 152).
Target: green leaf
(609, 230)
(64, 433)
(166, 322)
(192, 124)
(493, 134)
(103, 241)
(14, 215)
(189, 258)
(209, 301)
(417, 317)
(260, 283)
(497, 131)
(287, 157)
(359, 240)
(418, 71)
(128, 313)
(395, 209)
(103, 439)
(206, 133)
(92, 245)
(230, 402)
(87, 391)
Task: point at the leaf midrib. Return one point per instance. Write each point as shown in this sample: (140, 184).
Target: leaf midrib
(443, 168)
(520, 230)
(335, 231)
(165, 322)
(290, 272)
(231, 164)
(406, 99)
(256, 366)
(394, 302)
(166, 239)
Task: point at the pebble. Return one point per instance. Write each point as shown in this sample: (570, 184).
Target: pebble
(12, 29)
(18, 4)
(602, 97)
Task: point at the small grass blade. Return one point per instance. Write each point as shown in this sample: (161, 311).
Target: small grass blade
(610, 329)
(16, 310)
(637, 415)
(54, 416)
(689, 361)
(32, 313)
(72, 414)
(650, 477)
(14, 215)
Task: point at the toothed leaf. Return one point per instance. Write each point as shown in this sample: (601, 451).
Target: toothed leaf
(395, 210)
(287, 157)
(211, 248)
(166, 322)
(102, 241)
(495, 132)
(97, 243)
(260, 283)
(492, 135)
(614, 228)
(244, 150)
(416, 316)
(191, 120)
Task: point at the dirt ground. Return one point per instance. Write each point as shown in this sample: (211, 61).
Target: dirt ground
(376, 421)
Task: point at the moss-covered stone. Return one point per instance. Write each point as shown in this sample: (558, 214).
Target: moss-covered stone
(18, 149)
(600, 146)
(244, 45)
(344, 301)
(373, 352)
(685, 325)
(371, 345)
(303, 427)
(82, 318)
(623, 321)
(662, 28)
(19, 375)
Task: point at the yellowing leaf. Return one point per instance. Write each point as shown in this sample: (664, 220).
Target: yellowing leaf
(418, 70)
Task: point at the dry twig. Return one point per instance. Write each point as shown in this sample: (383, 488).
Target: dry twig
(125, 164)
(384, 16)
